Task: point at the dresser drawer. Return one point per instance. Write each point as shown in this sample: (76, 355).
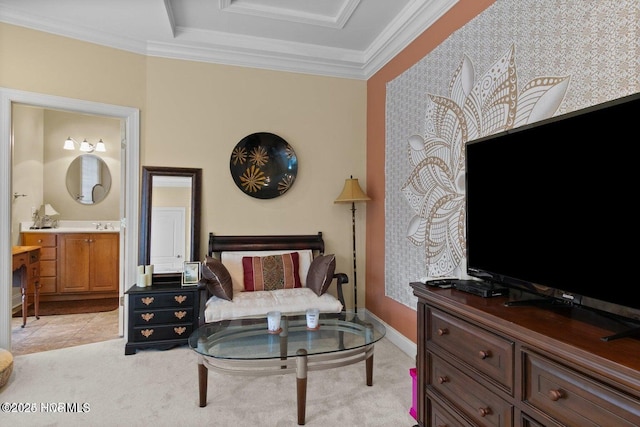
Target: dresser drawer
(47, 285)
(19, 260)
(48, 254)
(155, 317)
(40, 239)
(488, 353)
(440, 417)
(47, 268)
(160, 300)
(161, 332)
(478, 403)
(572, 398)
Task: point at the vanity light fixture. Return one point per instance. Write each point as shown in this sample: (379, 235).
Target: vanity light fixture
(87, 147)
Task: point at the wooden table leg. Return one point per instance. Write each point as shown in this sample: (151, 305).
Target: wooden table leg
(25, 301)
(203, 375)
(284, 341)
(369, 367)
(36, 300)
(301, 384)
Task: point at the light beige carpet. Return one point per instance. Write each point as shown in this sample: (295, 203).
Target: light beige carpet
(160, 388)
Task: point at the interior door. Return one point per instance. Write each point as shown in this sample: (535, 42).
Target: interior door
(167, 239)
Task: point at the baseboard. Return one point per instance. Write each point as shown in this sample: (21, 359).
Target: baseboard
(403, 343)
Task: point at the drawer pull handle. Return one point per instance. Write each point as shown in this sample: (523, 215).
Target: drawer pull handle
(147, 300)
(180, 298)
(146, 332)
(484, 354)
(555, 395)
(443, 331)
(179, 330)
(443, 380)
(179, 314)
(484, 411)
(147, 316)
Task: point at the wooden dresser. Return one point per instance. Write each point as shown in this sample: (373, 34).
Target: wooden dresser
(161, 316)
(481, 363)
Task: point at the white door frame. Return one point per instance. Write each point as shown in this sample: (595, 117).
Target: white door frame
(129, 201)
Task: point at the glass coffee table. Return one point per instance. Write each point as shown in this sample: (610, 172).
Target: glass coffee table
(246, 347)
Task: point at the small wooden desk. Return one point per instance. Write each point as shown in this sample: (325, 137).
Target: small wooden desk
(26, 270)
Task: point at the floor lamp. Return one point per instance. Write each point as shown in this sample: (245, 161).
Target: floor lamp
(352, 193)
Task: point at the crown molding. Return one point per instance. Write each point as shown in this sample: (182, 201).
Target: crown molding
(255, 52)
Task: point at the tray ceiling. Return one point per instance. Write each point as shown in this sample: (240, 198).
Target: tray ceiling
(342, 38)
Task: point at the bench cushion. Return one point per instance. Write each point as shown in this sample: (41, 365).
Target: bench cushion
(257, 304)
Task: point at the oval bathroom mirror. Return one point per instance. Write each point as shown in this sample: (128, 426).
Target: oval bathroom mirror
(88, 179)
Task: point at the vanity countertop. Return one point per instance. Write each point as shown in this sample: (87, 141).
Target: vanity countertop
(75, 227)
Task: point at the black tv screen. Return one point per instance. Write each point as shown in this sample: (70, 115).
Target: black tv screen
(550, 207)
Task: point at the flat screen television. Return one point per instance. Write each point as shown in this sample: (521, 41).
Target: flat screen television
(550, 208)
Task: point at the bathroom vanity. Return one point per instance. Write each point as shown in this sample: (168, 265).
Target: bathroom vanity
(77, 261)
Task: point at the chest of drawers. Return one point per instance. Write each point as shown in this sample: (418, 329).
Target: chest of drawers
(483, 364)
(160, 316)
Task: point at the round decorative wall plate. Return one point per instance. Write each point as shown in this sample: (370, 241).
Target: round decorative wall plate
(263, 165)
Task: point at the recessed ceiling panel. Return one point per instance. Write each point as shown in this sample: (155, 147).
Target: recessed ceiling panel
(328, 13)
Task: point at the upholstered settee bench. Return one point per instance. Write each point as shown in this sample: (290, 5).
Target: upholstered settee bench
(248, 276)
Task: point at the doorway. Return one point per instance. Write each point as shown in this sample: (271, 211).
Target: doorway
(130, 135)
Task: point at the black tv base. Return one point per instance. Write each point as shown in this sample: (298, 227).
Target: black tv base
(537, 302)
(630, 331)
(624, 334)
(626, 328)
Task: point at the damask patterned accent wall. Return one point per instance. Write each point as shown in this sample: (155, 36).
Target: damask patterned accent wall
(516, 63)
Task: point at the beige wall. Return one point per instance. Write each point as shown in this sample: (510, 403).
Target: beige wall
(201, 111)
(193, 114)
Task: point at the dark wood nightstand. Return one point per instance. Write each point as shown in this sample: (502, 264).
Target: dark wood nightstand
(161, 316)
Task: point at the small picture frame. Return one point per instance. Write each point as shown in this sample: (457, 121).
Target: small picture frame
(190, 273)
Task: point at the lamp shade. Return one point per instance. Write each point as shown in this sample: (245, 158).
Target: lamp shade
(68, 144)
(49, 211)
(352, 192)
(100, 146)
(85, 146)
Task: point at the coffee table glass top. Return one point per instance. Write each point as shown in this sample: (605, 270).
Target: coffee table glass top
(249, 339)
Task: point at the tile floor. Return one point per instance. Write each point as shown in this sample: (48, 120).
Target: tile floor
(68, 330)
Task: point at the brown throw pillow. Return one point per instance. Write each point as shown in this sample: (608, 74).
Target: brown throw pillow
(217, 278)
(271, 272)
(320, 273)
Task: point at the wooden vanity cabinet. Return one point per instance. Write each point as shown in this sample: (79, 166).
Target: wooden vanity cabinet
(77, 265)
(481, 363)
(89, 262)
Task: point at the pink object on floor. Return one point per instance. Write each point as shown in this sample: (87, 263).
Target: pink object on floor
(414, 408)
